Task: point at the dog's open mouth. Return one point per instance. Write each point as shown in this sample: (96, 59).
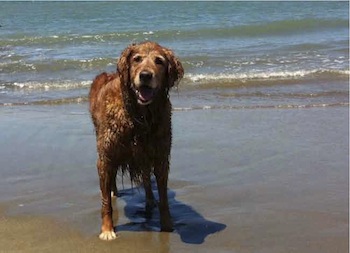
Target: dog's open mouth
(145, 94)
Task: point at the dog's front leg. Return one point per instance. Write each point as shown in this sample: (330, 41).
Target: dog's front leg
(114, 188)
(105, 174)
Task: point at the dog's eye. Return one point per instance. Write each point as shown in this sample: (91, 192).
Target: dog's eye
(159, 61)
(137, 58)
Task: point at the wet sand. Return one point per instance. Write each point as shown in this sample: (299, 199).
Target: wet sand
(262, 180)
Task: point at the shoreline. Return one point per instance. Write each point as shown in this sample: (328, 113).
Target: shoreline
(262, 180)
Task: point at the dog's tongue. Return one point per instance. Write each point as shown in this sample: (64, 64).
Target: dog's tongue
(146, 93)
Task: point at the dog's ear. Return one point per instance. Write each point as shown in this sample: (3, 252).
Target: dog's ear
(175, 69)
(123, 64)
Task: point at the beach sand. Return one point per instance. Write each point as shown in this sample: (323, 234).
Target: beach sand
(245, 180)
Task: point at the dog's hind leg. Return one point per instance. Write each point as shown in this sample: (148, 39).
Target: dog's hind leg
(161, 172)
(150, 201)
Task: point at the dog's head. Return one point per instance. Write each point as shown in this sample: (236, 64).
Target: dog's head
(148, 68)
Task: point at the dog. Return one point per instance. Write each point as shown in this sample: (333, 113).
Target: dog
(131, 113)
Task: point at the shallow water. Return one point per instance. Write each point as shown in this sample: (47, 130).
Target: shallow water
(241, 180)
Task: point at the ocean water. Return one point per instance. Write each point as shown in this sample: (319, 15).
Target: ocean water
(235, 54)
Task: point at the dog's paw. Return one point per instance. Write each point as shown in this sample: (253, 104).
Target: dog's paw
(108, 236)
(114, 194)
(167, 229)
(166, 226)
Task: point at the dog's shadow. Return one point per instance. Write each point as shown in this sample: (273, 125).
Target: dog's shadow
(192, 227)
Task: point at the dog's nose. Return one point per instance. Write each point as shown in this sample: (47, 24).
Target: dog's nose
(145, 76)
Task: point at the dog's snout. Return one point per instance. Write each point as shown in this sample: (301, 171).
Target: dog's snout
(146, 76)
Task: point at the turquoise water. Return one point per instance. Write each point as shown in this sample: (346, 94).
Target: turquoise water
(235, 54)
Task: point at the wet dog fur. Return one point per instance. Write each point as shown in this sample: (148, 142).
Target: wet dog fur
(131, 113)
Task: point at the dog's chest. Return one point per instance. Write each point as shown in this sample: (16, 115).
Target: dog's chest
(144, 139)
(134, 135)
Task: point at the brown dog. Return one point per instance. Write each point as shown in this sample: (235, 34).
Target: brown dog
(131, 113)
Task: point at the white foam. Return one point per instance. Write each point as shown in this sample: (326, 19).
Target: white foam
(238, 107)
(65, 85)
(260, 75)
